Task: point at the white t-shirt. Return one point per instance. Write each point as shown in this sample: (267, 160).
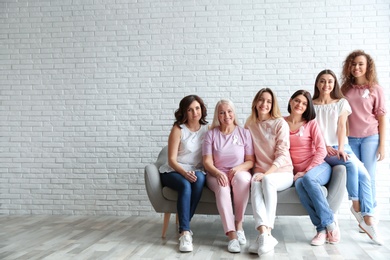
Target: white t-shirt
(189, 155)
(327, 116)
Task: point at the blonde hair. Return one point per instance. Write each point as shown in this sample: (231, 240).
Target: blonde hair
(216, 122)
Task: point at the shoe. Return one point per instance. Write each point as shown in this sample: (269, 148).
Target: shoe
(186, 243)
(333, 237)
(358, 215)
(372, 232)
(254, 246)
(241, 237)
(234, 246)
(319, 239)
(361, 231)
(267, 243)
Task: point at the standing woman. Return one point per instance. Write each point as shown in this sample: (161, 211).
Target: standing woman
(332, 110)
(228, 158)
(273, 169)
(307, 149)
(184, 170)
(367, 123)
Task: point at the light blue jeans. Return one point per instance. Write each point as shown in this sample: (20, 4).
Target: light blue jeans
(358, 180)
(312, 197)
(365, 150)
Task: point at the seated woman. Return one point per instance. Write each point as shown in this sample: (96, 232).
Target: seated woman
(184, 170)
(227, 158)
(307, 150)
(273, 166)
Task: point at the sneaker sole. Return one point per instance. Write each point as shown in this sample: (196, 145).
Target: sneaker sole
(370, 236)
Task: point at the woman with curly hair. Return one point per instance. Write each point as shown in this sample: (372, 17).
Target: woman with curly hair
(367, 123)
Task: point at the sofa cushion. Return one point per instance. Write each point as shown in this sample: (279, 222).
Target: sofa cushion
(286, 196)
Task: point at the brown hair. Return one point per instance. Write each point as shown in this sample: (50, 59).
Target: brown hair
(181, 112)
(336, 92)
(346, 77)
(309, 113)
(275, 111)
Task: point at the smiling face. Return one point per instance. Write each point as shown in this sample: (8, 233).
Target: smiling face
(298, 105)
(264, 105)
(225, 114)
(358, 66)
(325, 84)
(194, 112)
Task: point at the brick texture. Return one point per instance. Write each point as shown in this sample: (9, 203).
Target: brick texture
(88, 88)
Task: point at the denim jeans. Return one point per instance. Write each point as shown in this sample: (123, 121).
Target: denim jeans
(358, 180)
(188, 195)
(365, 150)
(312, 198)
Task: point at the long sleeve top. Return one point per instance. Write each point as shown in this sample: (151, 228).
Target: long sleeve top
(271, 143)
(307, 147)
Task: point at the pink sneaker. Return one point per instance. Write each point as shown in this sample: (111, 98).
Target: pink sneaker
(333, 236)
(318, 239)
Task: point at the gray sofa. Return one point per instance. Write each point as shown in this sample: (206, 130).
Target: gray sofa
(163, 199)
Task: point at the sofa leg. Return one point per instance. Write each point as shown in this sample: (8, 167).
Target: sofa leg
(167, 216)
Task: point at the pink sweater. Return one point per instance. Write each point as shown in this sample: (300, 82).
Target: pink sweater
(271, 144)
(307, 147)
(366, 107)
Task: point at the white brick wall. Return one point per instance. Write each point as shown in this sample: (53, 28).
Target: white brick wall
(88, 88)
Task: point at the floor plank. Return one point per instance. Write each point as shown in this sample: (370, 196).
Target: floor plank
(113, 237)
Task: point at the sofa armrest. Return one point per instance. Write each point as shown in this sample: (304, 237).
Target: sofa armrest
(154, 187)
(336, 187)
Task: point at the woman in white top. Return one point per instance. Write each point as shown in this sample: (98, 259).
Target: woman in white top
(184, 170)
(332, 111)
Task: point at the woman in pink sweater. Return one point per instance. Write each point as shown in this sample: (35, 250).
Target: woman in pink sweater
(307, 149)
(273, 169)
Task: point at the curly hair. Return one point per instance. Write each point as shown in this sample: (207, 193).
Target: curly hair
(347, 80)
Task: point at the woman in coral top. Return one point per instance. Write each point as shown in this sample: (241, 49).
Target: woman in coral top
(307, 149)
(367, 123)
(273, 169)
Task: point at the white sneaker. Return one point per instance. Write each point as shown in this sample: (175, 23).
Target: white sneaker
(357, 215)
(234, 246)
(267, 243)
(241, 237)
(254, 246)
(186, 243)
(372, 232)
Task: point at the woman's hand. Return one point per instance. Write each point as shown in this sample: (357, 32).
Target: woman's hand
(298, 175)
(342, 155)
(222, 180)
(231, 173)
(190, 176)
(258, 176)
(380, 154)
(331, 151)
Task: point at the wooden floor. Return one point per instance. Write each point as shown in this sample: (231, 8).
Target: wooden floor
(92, 237)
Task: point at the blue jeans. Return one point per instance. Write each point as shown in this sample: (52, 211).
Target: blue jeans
(365, 150)
(188, 195)
(358, 180)
(312, 198)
